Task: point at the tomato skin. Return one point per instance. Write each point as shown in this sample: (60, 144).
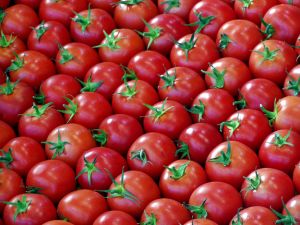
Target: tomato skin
(57, 222)
(82, 206)
(275, 185)
(293, 2)
(107, 5)
(47, 43)
(217, 195)
(293, 76)
(18, 21)
(116, 218)
(298, 44)
(182, 188)
(7, 133)
(293, 206)
(107, 161)
(219, 9)
(200, 222)
(31, 3)
(296, 175)
(159, 149)
(26, 152)
(11, 185)
(4, 4)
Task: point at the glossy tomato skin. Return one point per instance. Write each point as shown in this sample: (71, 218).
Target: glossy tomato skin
(48, 43)
(116, 128)
(221, 12)
(243, 37)
(116, 218)
(57, 222)
(93, 34)
(274, 187)
(159, 150)
(107, 161)
(31, 3)
(107, 5)
(290, 86)
(204, 51)
(149, 65)
(296, 175)
(18, 21)
(200, 222)
(180, 84)
(7, 133)
(82, 206)
(276, 67)
(217, 195)
(25, 153)
(293, 206)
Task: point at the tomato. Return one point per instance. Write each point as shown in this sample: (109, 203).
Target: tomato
(208, 16)
(194, 51)
(253, 10)
(46, 37)
(116, 218)
(180, 178)
(165, 211)
(229, 162)
(227, 73)
(88, 26)
(130, 14)
(130, 97)
(31, 3)
(7, 133)
(75, 59)
(81, 207)
(88, 109)
(4, 4)
(56, 88)
(212, 106)
(61, 10)
(18, 20)
(68, 142)
(21, 154)
(11, 184)
(291, 84)
(296, 175)
(212, 198)
(291, 2)
(292, 209)
(9, 45)
(96, 165)
(281, 23)
(167, 117)
(248, 126)
(297, 44)
(114, 132)
(120, 46)
(15, 98)
(255, 215)
(180, 84)
(267, 187)
(131, 192)
(271, 60)
(148, 65)
(107, 5)
(254, 93)
(2, 77)
(53, 178)
(200, 222)
(57, 222)
(150, 152)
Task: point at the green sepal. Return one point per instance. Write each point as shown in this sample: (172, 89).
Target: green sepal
(140, 155)
(186, 46)
(150, 219)
(70, 109)
(21, 206)
(6, 158)
(217, 76)
(84, 22)
(110, 41)
(293, 85)
(58, 147)
(199, 210)
(171, 4)
(158, 112)
(284, 219)
(16, 64)
(89, 86)
(253, 183)
(4, 43)
(202, 21)
(224, 158)
(232, 125)
(130, 2)
(168, 79)
(198, 109)
(269, 114)
(89, 168)
(100, 136)
(281, 141)
(269, 29)
(40, 30)
(38, 111)
(224, 41)
(183, 151)
(179, 172)
(239, 220)
(9, 87)
(66, 56)
(152, 34)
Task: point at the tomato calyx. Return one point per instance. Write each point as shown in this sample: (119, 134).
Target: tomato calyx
(140, 155)
(284, 219)
(58, 147)
(232, 125)
(198, 110)
(179, 172)
(281, 141)
(84, 22)
(199, 210)
(149, 219)
(89, 86)
(6, 157)
(269, 29)
(293, 85)
(16, 64)
(238, 221)
(9, 87)
(40, 30)
(158, 112)
(168, 80)
(202, 21)
(253, 183)
(110, 41)
(267, 54)
(130, 2)
(70, 109)
(186, 46)
(89, 168)
(183, 151)
(40, 98)
(241, 103)
(4, 43)
(39, 111)
(33, 190)
(21, 206)
(246, 3)
(66, 56)
(224, 158)
(224, 41)
(129, 74)
(2, 15)
(171, 4)
(217, 76)
(130, 90)
(270, 115)
(100, 136)
(152, 34)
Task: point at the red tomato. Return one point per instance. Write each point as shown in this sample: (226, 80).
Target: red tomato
(31, 3)
(57, 222)
(46, 37)
(237, 38)
(107, 5)
(200, 222)
(18, 20)
(96, 165)
(292, 209)
(297, 44)
(194, 51)
(180, 84)
(2, 77)
(4, 4)
(116, 218)
(291, 84)
(296, 175)
(88, 26)
(208, 16)
(7, 133)
(21, 154)
(212, 200)
(67, 143)
(267, 187)
(53, 178)
(150, 152)
(81, 207)
(271, 60)
(291, 2)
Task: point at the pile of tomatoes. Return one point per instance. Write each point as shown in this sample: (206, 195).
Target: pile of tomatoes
(150, 112)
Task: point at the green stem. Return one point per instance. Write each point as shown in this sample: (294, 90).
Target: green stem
(232, 125)
(152, 34)
(8, 88)
(140, 155)
(217, 76)
(83, 21)
(6, 157)
(39, 111)
(40, 30)
(21, 206)
(89, 168)
(89, 86)
(269, 29)
(183, 151)
(224, 158)
(100, 136)
(171, 4)
(281, 141)
(200, 210)
(70, 109)
(179, 172)
(4, 43)
(158, 112)
(198, 110)
(202, 21)
(111, 41)
(58, 147)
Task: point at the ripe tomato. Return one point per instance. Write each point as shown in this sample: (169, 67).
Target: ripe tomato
(33, 209)
(115, 217)
(67, 143)
(81, 207)
(2, 77)
(4, 4)
(200, 222)
(267, 187)
(291, 2)
(291, 84)
(297, 44)
(107, 5)
(292, 209)
(96, 165)
(53, 178)
(57, 222)
(31, 3)
(296, 175)
(7, 133)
